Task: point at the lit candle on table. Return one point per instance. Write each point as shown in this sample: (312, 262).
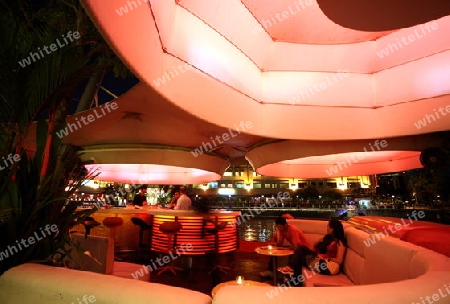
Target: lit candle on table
(240, 280)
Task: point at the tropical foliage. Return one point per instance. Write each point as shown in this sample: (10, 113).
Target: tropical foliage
(425, 185)
(42, 172)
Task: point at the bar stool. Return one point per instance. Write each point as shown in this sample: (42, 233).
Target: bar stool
(89, 223)
(215, 230)
(170, 229)
(113, 223)
(143, 226)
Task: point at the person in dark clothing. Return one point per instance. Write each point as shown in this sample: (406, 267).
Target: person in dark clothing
(141, 197)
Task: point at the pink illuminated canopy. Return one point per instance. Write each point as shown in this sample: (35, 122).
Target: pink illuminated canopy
(344, 164)
(291, 72)
(151, 174)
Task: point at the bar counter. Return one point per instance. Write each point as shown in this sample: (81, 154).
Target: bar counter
(197, 232)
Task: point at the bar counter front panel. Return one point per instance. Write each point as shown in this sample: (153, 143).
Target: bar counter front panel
(195, 237)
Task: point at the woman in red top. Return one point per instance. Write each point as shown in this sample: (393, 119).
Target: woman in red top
(331, 249)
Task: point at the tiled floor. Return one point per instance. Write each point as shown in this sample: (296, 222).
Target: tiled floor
(246, 264)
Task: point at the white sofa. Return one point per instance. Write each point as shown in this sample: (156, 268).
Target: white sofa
(386, 271)
(35, 283)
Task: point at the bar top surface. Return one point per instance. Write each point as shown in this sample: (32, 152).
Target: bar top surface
(157, 211)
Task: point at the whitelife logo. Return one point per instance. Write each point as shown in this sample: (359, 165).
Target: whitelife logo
(436, 297)
(109, 106)
(394, 228)
(423, 123)
(317, 87)
(291, 10)
(11, 159)
(31, 240)
(246, 216)
(166, 259)
(85, 300)
(169, 75)
(53, 47)
(360, 156)
(225, 136)
(426, 29)
(296, 281)
(124, 9)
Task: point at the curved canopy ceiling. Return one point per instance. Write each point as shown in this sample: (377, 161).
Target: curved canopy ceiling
(288, 70)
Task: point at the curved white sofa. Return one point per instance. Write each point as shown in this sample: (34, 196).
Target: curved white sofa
(387, 271)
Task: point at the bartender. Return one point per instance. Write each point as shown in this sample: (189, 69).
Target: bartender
(141, 197)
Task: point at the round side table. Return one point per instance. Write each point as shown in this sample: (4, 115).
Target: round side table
(274, 252)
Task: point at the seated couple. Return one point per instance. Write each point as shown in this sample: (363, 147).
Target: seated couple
(326, 257)
(288, 232)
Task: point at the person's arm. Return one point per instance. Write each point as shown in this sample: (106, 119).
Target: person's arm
(279, 238)
(173, 203)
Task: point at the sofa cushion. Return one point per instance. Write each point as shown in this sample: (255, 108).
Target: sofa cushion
(34, 283)
(388, 260)
(354, 259)
(353, 266)
(357, 240)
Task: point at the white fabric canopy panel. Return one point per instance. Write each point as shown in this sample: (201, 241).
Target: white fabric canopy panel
(241, 75)
(345, 164)
(315, 159)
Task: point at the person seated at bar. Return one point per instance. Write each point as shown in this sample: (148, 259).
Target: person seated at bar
(140, 198)
(183, 202)
(174, 200)
(285, 231)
